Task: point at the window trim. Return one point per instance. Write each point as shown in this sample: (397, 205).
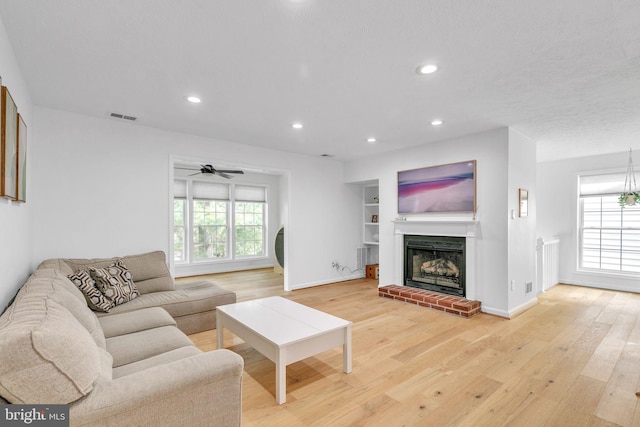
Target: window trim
(581, 227)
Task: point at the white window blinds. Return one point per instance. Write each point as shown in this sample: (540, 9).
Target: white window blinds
(179, 189)
(210, 190)
(247, 193)
(603, 184)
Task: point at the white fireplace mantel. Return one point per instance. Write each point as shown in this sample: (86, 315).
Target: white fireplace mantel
(457, 227)
(460, 227)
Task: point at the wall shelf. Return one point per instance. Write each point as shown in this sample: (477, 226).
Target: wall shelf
(371, 229)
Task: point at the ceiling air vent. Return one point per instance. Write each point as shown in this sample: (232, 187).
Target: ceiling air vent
(124, 117)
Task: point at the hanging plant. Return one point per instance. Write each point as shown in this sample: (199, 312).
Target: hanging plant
(629, 199)
(630, 195)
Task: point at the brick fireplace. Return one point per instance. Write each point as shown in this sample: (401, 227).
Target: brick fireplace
(435, 263)
(445, 271)
(448, 303)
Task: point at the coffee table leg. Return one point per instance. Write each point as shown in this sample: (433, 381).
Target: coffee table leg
(219, 329)
(346, 350)
(281, 378)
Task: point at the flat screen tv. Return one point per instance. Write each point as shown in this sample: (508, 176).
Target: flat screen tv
(443, 188)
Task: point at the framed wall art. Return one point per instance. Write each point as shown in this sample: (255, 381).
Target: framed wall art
(523, 201)
(21, 180)
(442, 188)
(8, 146)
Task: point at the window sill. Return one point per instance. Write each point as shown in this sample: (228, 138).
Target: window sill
(221, 266)
(612, 274)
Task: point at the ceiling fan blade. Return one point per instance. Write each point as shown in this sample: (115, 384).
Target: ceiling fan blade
(192, 174)
(229, 171)
(188, 169)
(224, 175)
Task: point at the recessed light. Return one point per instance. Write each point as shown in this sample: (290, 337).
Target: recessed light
(371, 140)
(296, 125)
(194, 99)
(427, 69)
(436, 122)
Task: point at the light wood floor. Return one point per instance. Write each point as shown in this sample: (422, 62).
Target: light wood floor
(572, 360)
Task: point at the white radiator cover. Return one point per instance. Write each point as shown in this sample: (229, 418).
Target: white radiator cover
(548, 263)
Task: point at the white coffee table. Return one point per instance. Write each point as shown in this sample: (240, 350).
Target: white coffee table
(285, 332)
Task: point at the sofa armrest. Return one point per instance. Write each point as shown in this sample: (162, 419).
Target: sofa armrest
(205, 389)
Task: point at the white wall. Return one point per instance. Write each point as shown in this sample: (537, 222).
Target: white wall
(101, 189)
(15, 218)
(522, 230)
(491, 151)
(557, 212)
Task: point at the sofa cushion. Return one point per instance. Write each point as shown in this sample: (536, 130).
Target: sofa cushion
(59, 281)
(158, 360)
(144, 344)
(48, 357)
(188, 298)
(56, 264)
(149, 271)
(53, 284)
(106, 365)
(134, 321)
(95, 299)
(115, 283)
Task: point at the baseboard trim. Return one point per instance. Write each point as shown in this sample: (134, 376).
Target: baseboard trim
(326, 282)
(522, 308)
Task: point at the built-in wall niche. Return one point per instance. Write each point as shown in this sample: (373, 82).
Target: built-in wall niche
(371, 220)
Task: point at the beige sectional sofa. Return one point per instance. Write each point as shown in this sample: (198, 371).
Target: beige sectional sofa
(192, 304)
(131, 366)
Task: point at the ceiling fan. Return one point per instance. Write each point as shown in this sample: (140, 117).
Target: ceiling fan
(210, 170)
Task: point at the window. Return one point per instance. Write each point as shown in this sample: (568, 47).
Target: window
(249, 229)
(179, 220)
(218, 221)
(249, 220)
(209, 229)
(609, 233)
(179, 241)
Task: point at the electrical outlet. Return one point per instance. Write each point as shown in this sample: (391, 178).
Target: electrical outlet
(528, 287)
(513, 285)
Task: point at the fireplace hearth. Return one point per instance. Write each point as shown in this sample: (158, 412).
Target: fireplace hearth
(435, 263)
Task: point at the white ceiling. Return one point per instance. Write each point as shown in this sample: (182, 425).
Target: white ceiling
(563, 73)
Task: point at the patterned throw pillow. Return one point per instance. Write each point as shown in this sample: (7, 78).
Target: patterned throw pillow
(87, 285)
(115, 282)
